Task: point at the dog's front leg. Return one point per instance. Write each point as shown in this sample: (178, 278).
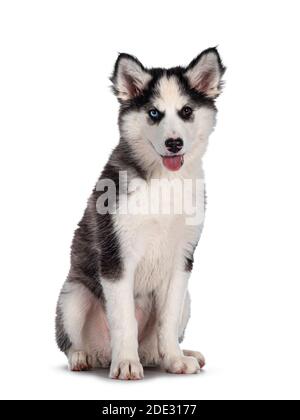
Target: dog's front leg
(170, 306)
(120, 309)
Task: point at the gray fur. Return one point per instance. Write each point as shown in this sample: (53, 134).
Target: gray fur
(62, 338)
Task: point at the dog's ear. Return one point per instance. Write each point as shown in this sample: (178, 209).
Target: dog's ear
(205, 72)
(129, 78)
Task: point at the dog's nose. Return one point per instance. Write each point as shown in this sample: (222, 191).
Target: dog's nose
(174, 145)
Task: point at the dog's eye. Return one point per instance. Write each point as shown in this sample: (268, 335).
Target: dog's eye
(186, 112)
(154, 114)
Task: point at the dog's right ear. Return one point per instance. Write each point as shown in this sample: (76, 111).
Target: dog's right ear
(129, 78)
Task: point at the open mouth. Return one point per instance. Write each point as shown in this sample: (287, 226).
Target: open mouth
(173, 163)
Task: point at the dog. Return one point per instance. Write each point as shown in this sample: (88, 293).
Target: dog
(125, 303)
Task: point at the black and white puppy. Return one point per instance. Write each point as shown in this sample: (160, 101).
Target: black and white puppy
(125, 302)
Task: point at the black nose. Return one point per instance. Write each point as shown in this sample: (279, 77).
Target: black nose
(174, 145)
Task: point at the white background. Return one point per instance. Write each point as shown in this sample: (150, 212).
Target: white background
(58, 124)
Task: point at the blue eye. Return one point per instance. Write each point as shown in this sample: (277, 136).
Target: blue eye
(154, 114)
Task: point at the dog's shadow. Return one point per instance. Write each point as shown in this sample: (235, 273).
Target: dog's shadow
(149, 372)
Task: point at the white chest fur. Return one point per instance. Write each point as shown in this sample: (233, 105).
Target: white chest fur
(159, 223)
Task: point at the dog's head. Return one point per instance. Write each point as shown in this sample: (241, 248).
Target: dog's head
(167, 114)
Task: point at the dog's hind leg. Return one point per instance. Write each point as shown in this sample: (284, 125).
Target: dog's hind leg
(72, 308)
(80, 328)
(185, 316)
(184, 320)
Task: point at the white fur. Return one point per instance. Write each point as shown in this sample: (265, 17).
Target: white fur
(85, 322)
(123, 327)
(78, 361)
(156, 246)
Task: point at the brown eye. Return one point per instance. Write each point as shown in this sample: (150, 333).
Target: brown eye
(186, 112)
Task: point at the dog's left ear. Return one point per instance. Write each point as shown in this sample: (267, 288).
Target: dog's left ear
(129, 78)
(205, 72)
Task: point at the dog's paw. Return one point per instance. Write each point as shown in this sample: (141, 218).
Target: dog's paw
(126, 369)
(181, 365)
(78, 361)
(200, 358)
(99, 359)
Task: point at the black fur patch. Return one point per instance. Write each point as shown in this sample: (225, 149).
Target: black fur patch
(189, 262)
(62, 337)
(85, 255)
(96, 249)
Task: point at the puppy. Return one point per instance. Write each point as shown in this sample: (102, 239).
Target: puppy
(125, 303)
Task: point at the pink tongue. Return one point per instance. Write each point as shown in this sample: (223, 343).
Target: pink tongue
(173, 163)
